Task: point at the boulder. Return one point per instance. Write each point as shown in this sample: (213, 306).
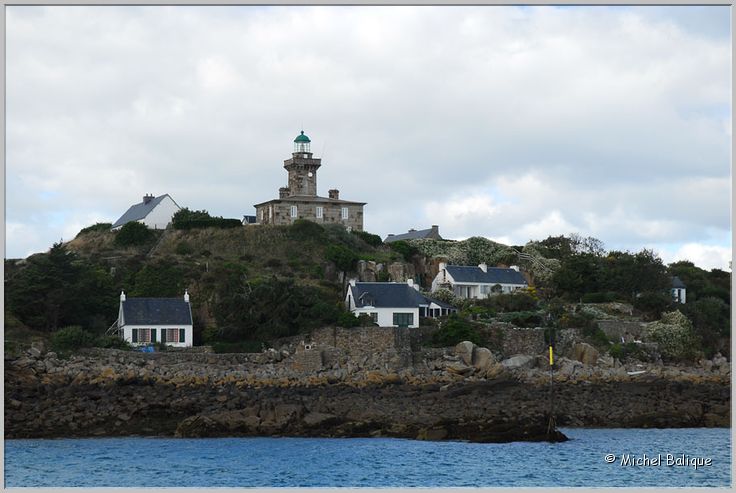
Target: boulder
(483, 358)
(34, 352)
(585, 353)
(459, 369)
(519, 361)
(464, 350)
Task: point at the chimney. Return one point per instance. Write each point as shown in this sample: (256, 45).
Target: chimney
(147, 198)
(122, 295)
(435, 229)
(515, 267)
(283, 192)
(412, 230)
(352, 282)
(410, 282)
(483, 267)
(186, 295)
(443, 265)
(334, 194)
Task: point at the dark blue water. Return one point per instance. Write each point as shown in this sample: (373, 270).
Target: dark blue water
(323, 462)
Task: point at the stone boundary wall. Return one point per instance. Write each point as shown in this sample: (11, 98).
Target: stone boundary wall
(175, 357)
(387, 347)
(531, 341)
(616, 329)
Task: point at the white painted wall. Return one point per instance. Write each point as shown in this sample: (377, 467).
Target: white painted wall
(161, 215)
(679, 295)
(386, 315)
(470, 291)
(188, 334)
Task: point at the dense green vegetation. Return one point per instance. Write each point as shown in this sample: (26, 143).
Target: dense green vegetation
(187, 219)
(250, 285)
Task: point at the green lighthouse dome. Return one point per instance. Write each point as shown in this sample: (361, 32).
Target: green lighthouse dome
(301, 144)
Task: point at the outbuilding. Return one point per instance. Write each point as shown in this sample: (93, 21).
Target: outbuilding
(144, 321)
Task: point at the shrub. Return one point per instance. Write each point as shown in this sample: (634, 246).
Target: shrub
(343, 258)
(455, 330)
(371, 239)
(510, 302)
(347, 319)
(596, 337)
(71, 338)
(674, 335)
(273, 263)
(184, 248)
(112, 342)
(95, 227)
(133, 233)
(601, 297)
(652, 304)
(522, 319)
(303, 230)
(237, 347)
(405, 249)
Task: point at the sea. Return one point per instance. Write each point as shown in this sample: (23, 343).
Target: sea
(591, 458)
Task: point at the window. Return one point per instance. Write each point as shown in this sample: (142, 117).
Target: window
(170, 335)
(403, 319)
(319, 212)
(261, 215)
(484, 289)
(270, 212)
(144, 335)
(344, 212)
(374, 317)
(293, 211)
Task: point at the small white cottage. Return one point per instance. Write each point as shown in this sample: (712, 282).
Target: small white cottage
(154, 212)
(478, 282)
(392, 304)
(143, 321)
(678, 290)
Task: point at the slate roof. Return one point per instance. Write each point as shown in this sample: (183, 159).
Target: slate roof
(390, 295)
(475, 275)
(156, 311)
(136, 212)
(411, 235)
(677, 283)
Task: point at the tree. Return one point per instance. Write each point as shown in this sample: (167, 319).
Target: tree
(133, 233)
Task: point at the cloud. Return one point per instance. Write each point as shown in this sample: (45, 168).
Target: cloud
(704, 256)
(500, 121)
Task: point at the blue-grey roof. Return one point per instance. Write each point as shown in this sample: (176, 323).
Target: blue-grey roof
(677, 283)
(494, 275)
(136, 212)
(413, 235)
(249, 219)
(156, 311)
(390, 295)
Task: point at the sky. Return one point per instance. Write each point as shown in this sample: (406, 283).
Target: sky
(513, 123)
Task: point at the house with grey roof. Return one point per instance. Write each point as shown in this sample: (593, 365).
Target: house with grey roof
(432, 233)
(154, 212)
(478, 282)
(678, 290)
(144, 321)
(392, 304)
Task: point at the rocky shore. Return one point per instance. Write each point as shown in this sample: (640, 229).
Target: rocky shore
(453, 394)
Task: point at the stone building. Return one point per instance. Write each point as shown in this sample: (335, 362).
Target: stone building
(300, 200)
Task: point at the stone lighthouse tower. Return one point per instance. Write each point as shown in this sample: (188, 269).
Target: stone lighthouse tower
(302, 168)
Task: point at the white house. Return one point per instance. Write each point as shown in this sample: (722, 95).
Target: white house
(146, 320)
(392, 304)
(678, 290)
(478, 282)
(154, 212)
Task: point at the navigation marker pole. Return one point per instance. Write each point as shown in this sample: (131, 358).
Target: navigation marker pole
(551, 424)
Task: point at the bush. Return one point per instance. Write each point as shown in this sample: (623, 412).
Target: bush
(215, 222)
(371, 239)
(522, 319)
(405, 249)
(456, 330)
(113, 342)
(72, 338)
(133, 233)
(675, 336)
(652, 304)
(510, 302)
(303, 230)
(343, 258)
(577, 320)
(184, 248)
(95, 227)
(602, 297)
(596, 337)
(347, 319)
